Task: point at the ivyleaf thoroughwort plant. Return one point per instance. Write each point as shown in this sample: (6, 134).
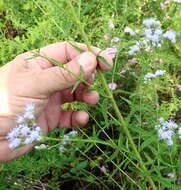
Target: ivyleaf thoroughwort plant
(122, 123)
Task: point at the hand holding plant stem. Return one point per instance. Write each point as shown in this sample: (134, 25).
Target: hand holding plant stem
(110, 95)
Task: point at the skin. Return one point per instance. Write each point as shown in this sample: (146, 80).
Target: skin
(39, 82)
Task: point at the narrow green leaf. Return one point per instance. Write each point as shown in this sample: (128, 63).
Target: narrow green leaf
(79, 81)
(103, 60)
(55, 62)
(75, 86)
(77, 48)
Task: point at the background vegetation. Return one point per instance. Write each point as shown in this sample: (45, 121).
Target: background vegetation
(31, 24)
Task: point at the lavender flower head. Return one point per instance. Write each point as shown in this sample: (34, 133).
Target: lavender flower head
(151, 22)
(150, 76)
(40, 147)
(170, 35)
(133, 49)
(112, 86)
(71, 134)
(26, 131)
(115, 40)
(166, 130)
(130, 31)
(111, 24)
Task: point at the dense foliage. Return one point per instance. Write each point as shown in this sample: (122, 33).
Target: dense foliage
(145, 82)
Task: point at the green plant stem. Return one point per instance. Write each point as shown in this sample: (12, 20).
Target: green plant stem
(124, 127)
(110, 95)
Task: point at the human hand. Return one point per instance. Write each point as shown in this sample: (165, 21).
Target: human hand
(37, 81)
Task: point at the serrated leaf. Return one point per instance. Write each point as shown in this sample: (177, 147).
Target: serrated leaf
(103, 60)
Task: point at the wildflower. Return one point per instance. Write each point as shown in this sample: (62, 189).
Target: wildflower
(33, 136)
(111, 51)
(179, 131)
(111, 24)
(127, 29)
(160, 61)
(170, 175)
(123, 71)
(19, 119)
(112, 86)
(170, 35)
(24, 130)
(61, 148)
(166, 130)
(115, 39)
(163, 6)
(15, 143)
(24, 134)
(66, 137)
(72, 133)
(104, 169)
(150, 76)
(30, 108)
(159, 72)
(167, 2)
(153, 35)
(107, 36)
(151, 22)
(130, 31)
(179, 180)
(133, 49)
(42, 146)
(178, 87)
(145, 123)
(132, 60)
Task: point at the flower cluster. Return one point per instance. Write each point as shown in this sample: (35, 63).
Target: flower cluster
(108, 36)
(150, 76)
(152, 36)
(167, 129)
(167, 2)
(71, 134)
(130, 31)
(26, 131)
(112, 86)
(41, 146)
(170, 35)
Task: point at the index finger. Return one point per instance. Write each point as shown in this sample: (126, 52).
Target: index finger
(64, 52)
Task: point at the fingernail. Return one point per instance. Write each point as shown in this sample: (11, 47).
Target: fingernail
(85, 59)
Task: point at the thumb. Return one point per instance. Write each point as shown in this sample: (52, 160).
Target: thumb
(56, 78)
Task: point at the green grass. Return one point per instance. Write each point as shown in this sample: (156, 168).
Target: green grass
(23, 25)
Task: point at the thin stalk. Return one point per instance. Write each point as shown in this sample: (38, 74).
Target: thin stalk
(110, 96)
(124, 127)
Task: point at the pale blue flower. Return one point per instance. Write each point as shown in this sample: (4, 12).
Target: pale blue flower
(160, 72)
(166, 130)
(151, 22)
(16, 142)
(72, 133)
(23, 131)
(170, 35)
(133, 49)
(40, 147)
